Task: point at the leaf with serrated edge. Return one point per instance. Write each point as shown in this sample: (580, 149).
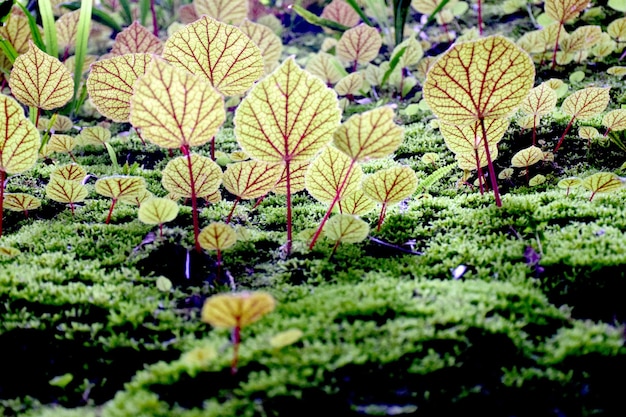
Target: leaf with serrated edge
(217, 236)
(586, 103)
(61, 143)
(564, 10)
(19, 143)
(527, 157)
(602, 182)
(297, 173)
(324, 66)
(288, 116)
(327, 174)
(217, 51)
(227, 11)
(21, 202)
(136, 39)
(483, 79)
(174, 108)
(207, 176)
(468, 138)
(65, 191)
(157, 211)
(95, 135)
(110, 84)
(615, 120)
(390, 186)
(17, 32)
(346, 228)
(236, 309)
(70, 172)
(540, 101)
(118, 186)
(39, 80)
(359, 44)
(341, 12)
(251, 179)
(356, 203)
(369, 135)
(269, 44)
(66, 27)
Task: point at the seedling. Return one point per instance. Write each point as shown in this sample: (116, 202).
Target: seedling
(569, 183)
(217, 236)
(540, 101)
(119, 186)
(359, 45)
(562, 11)
(602, 182)
(21, 202)
(345, 228)
(527, 157)
(235, 311)
(158, 211)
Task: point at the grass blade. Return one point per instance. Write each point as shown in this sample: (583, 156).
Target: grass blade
(34, 30)
(97, 15)
(50, 33)
(360, 12)
(400, 14)
(82, 38)
(316, 20)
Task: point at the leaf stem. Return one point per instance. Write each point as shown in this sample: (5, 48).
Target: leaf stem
(383, 211)
(289, 213)
(232, 210)
(3, 176)
(492, 171)
(567, 128)
(194, 200)
(556, 45)
(236, 342)
(111, 211)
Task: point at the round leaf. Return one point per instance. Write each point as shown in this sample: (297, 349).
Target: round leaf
(326, 67)
(540, 101)
(206, 175)
(238, 309)
(615, 120)
(297, 173)
(602, 182)
(390, 185)
(217, 236)
(61, 143)
(466, 139)
(19, 141)
(346, 228)
(567, 183)
(118, 186)
(286, 338)
(564, 10)
(527, 157)
(70, 172)
(21, 202)
(227, 11)
(251, 179)
(65, 191)
(157, 211)
(136, 39)
(95, 135)
(359, 44)
(332, 172)
(586, 103)
(356, 203)
(269, 44)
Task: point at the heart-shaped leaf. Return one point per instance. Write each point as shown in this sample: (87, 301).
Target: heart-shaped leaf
(95, 135)
(205, 173)
(21, 202)
(588, 132)
(118, 186)
(569, 183)
(332, 173)
(61, 143)
(359, 45)
(217, 51)
(66, 191)
(618, 71)
(217, 236)
(326, 67)
(617, 29)
(392, 185)
(39, 80)
(540, 101)
(586, 103)
(602, 182)
(19, 141)
(174, 108)
(536, 180)
(351, 84)
(527, 157)
(137, 199)
(227, 11)
(346, 228)
(110, 84)
(269, 44)
(69, 172)
(66, 27)
(615, 120)
(251, 179)
(136, 39)
(236, 309)
(17, 31)
(341, 12)
(157, 211)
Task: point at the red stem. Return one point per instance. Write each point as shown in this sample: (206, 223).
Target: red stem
(155, 25)
(258, 201)
(534, 130)
(3, 176)
(194, 199)
(556, 45)
(480, 18)
(289, 214)
(111, 211)
(219, 265)
(141, 137)
(592, 195)
(72, 208)
(236, 342)
(37, 117)
(569, 125)
(72, 156)
(232, 210)
(213, 148)
(383, 210)
(492, 171)
(480, 172)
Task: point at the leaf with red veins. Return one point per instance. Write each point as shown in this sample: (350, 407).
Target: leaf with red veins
(21, 202)
(332, 173)
(251, 179)
(66, 27)
(206, 176)
(117, 186)
(219, 52)
(231, 12)
(297, 173)
(470, 161)
(359, 44)
(19, 139)
(341, 12)
(390, 186)
(136, 39)
(586, 103)
(187, 14)
(269, 44)
(65, 191)
(17, 32)
(527, 157)
(70, 172)
(467, 138)
(217, 236)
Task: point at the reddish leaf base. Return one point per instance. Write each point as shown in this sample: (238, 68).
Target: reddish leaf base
(381, 218)
(110, 211)
(567, 128)
(236, 342)
(194, 200)
(289, 211)
(232, 210)
(72, 209)
(556, 46)
(492, 171)
(3, 176)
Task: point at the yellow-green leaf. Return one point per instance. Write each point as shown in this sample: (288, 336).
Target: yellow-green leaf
(285, 338)
(602, 182)
(19, 142)
(583, 38)
(288, 116)
(588, 132)
(69, 172)
(95, 135)
(70, 63)
(110, 84)
(568, 183)
(356, 203)
(174, 108)
(390, 186)
(65, 191)
(412, 54)
(332, 173)
(466, 139)
(136, 39)
(66, 27)
(269, 44)
(297, 173)
(62, 124)
(359, 44)
(137, 199)
(346, 228)
(251, 179)
(472, 160)
(326, 67)
(351, 84)
(8, 252)
(540, 101)
(536, 180)
(227, 11)
(369, 135)
(617, 70)
(527, 157)
(586, 103)
(483, 79)
(21, 202)
(157, 211)
(217, 51)
(207, 176)
(430, 158)
(236, 309)
(339, 11)
(17, 32)
(39, 80)
(615, 120)
(564, 10)
(118, 186)
(617, 29)
(217, 236)
(239, 156)
(61, 143)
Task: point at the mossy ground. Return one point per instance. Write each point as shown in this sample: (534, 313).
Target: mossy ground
(454, 306)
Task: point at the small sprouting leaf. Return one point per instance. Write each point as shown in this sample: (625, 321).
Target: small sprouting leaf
(66, 27)
(65, 191)
(332, 172)
(568, 183)
(617, 29)
(588, 132)
(615, 120)
(483, 79)
(8, 252)
(536, 180)
(214, 197)
(586, 103)
(412, 54)
(207, 176)
(392, 185)
(359, 44)
(70, 172)
(341, 12)
(136, 39)
(118, 186)
(61, 380)
(297, 175)
(356, 203)
(540, 101)
(95, 135)
(506, 174)
(602, 182)
(564, 10)
(110, 84)
(466, 139)
(288, 116)
(430, 158)
(239, 156)
(39, 80)
(217, 236)
(61, 143)
(251, 179)
(174, 108)
(618, 71)
(527, 157)
(269, 44)
(21, 202)
(346, 228)
(217, 51)
(227, 11)
(369, 135)
(137, 199)
(163, 284)
(157, 211)
(19, 143)
(237, 309)
(326, 67)
(286, 338)
(351, 84)
(62, 124)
